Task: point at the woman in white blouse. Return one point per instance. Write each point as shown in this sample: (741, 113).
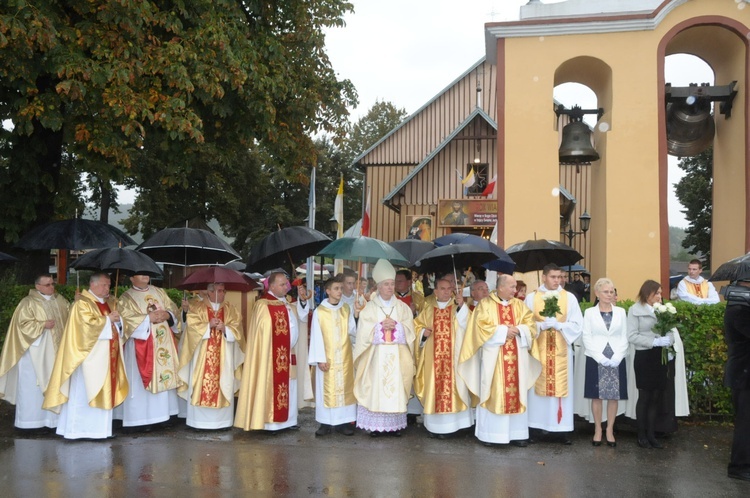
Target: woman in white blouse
(605, 342)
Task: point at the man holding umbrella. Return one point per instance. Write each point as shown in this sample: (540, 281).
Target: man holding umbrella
(210, 360)
(560, 323)
(151, 360)
(268, 393)
(88, 379)
(29, 353)
(444, 395)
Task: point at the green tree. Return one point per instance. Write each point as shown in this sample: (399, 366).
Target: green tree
(101, 81)
(695, 192)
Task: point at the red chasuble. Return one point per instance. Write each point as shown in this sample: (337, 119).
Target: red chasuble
(509, 362)
(114, 350)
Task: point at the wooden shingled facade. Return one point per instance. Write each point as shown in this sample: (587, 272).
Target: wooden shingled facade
(418, 163)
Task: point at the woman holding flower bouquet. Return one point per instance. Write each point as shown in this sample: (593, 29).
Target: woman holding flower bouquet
(605, 342)
(652, 337)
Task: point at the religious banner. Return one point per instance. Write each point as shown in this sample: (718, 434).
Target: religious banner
(467, 212)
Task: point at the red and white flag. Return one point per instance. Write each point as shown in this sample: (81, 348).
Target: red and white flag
(366, 216)
(490, 188)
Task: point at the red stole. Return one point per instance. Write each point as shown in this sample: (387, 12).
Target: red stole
(509, 363)
(114, 350)
(442, 326)
(210, 388)
(281, 358)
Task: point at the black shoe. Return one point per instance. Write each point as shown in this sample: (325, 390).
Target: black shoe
(612, 444)
(375, 434)
(565, 439)
(411, 419)
(396, 433)
(324, 430)
(643, 443)
(594, 442)
(520, 443)
(655, 444)
(739, 474)
(438, 436)
(345, 429)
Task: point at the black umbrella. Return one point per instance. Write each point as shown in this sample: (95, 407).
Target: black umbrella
(127, 261)
(188, 247)
(453, 256)
(734, 269)
(284, 247)
(7, 258)
(536, 254)
(502, 263)
(74, 234)
(413, 249)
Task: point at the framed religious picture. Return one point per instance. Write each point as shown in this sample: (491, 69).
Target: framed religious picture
(467, 212)
(419, 226)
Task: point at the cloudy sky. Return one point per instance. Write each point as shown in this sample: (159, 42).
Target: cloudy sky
(406, 51)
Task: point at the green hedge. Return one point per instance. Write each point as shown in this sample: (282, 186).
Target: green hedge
(701, 330)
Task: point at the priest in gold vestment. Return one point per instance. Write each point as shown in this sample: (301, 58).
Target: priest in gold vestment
(268, 394)
(29, 353)
(551, 400)
(210, 360)
(88, 379)
(150, 354)
(331, 354)
(496, 364)
(383, 357)
(440, 331)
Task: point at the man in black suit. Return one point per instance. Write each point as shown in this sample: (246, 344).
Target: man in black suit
(737, 375)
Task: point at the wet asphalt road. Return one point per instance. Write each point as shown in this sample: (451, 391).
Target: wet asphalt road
(179, 461)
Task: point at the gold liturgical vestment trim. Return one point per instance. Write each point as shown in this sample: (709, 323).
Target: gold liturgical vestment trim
(551, 349)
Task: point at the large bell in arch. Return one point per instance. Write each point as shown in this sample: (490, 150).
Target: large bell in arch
(575, 147)
(690, 126)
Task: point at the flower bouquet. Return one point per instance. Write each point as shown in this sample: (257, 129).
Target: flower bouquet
(666, 320)
(551, 308)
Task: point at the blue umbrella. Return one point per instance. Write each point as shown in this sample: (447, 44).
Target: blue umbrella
(503, 263)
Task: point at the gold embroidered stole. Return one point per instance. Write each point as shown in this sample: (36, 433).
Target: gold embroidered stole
(504, 397)
(210, 389)
(443, 340)
(551, 350)
(281, 355)
(338, 381)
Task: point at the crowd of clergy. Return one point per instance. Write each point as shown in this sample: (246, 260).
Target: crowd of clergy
(502, 367)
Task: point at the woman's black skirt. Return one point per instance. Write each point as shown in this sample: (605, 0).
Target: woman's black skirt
(650, 373)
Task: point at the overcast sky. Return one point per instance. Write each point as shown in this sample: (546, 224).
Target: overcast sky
(406, 51)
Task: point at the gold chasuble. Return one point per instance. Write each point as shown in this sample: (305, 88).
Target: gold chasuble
(156, 356)
(435, 382)
(272, 364)
(338, 381)
(26, 326)
(103, 370)
(698, 290)
(500, 375)
(212, 381)
(551, 349)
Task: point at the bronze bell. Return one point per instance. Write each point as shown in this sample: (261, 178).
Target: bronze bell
(690, 126)
(576, 147)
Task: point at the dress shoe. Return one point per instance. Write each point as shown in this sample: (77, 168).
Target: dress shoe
(611, 444)
(396, 433)
(594, 442)
(565, 439)
(643, 443)
(345, 429)
(324, 430)
(655, 444)
(739, 474)
(375, 433)
(438, 436)
(520, 443)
